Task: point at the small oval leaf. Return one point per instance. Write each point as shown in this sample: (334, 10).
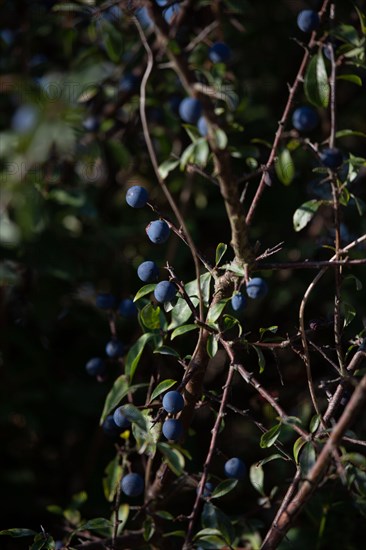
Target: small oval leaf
(284, 167)
(305, 213)
(182, 330)
(316, 85)
(270, 437)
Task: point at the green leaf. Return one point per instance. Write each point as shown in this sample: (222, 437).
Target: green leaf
(123, 513)
(181, 534)
(205, 534)
(192, 287)
(96, 524)
(261, 359)
(162, 387)
(216, 310)
(182, 330)
(349, 313)
(135, 416)
(119, 389)
(112, 477)
(220, 252)
(284, 167)
(78, 499)
(234, 268)
(256, 476)
(43, 541)
(224, 488)
(273, 329)
(346, 133)
(146, 289)
(220, 138)
(228, 322)
(166, 350)
(165, 515)
(212, 345)
(181, 312)
(149, 528)
(167, 166)
(316, 85)
(305, 213)
(173, 458)
(362, 18)
(298, 445)
(16, 532)
(314, 423)
(354, 78)
(270, 458)
(68, 198)
(152, 317)
(201, 152)
(134, 354)
(148, 436)
(187, 156)
(347, 33)
(270, 437)
(307, 458)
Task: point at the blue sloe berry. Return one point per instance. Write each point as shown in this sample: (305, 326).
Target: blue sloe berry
(238, 301)
(96, 367)
(137, 196)
(104, 300)
(219, 52)
(132, 485)
(190, 110)
(235, 468)
(127, 308)
(165, 292)
(331, 158)
(308, 20)
(173, 429)
(114, 348)
(120, 419)
(305, 119)
(256, 288)
(148, 271)
(173, 402)
(158, 231)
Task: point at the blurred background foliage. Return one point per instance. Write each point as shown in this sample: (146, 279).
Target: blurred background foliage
(71, 144)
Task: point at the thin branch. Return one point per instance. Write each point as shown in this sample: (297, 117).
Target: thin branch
(215, 433)
(250, 379)
(338, 394)
(302, 320)
(279, 528)
(281, 125)
(310, 264)
(154, 162)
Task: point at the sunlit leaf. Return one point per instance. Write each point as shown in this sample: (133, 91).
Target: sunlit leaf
(284, 167)
(224, 488)
(305, 213)
(135, 352)
(173, 458)
(316, 85)
(112, 477)
(256, 476)
(146, 289)
(182, 330)
(270, 437)
(220, 252)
